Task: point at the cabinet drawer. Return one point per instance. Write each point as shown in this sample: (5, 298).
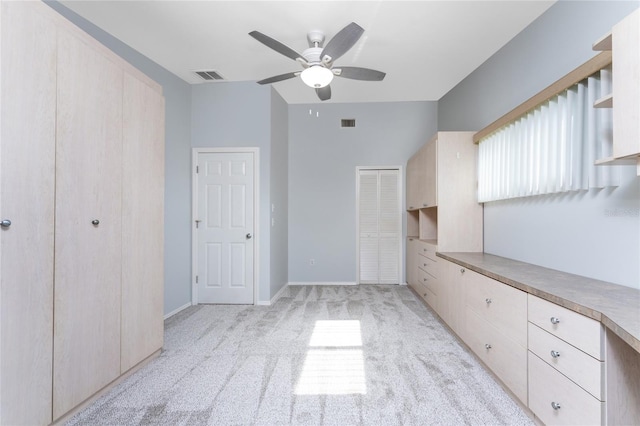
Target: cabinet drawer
(584, 333)
(547, 386)
(428, 280)
(583, 369)
(428, 265)
(427, 295)
(503, 306)
(505, 357)
(427, 250)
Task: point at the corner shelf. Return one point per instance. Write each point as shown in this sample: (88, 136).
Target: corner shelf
(604, 43)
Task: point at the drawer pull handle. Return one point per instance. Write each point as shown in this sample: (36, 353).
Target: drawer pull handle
(487, 300)
(424, 249)
(555, 354)
(424, 295)
(487, 346)
(555, 405)
(424, 264)
(554, 320)
(462, 270)
(424, 279)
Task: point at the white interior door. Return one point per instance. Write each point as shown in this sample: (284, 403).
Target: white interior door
(225, 227)
(379, 226)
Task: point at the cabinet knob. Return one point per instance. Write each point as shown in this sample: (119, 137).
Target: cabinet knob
(555, 405)
(487, 300)
(554, 320)
(487, 346)
(425, 205)
(410, 207)
(462, 270)
(555, 354)
(424, 264)
(5, 223)
(95, 222)
(424, 279)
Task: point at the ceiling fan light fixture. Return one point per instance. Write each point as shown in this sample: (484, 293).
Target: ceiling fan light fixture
(317, 76)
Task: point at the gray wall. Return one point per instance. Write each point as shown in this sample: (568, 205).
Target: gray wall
(279, 193)
(177, 93)
(322, 175)
(238, 115)
(591, 233)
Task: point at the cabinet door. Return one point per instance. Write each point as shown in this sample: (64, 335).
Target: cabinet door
(142, 222)
(429, 193)
(412, 267)
(88, 224)
(27, 153)
(412, 183)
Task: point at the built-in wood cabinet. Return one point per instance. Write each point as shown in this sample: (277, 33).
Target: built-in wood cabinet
(82, 165)
(624, 43)
(27, 190)
(566, 365)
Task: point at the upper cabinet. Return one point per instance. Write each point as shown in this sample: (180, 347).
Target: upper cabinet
(624, 43)
(441, 193)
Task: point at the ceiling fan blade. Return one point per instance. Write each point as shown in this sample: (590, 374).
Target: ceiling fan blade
(280, 77)
(324, 93)
(357, 73)
(341, 42)
(276, 45)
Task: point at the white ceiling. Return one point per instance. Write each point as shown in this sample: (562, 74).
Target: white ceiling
(425, 47)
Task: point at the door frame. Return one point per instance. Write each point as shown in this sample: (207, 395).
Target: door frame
(400, 203)
(195, 152)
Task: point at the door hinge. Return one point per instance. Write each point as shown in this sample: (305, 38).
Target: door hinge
(196, 279)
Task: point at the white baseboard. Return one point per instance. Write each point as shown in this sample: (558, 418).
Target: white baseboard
(323, 283)
(275, 298)
(175, 311)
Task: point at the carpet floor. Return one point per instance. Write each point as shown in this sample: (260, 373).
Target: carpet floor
(320, 355)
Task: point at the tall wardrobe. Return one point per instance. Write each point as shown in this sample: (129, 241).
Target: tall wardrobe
(81, 209)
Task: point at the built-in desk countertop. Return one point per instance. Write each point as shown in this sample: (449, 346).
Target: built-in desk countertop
(615, 306)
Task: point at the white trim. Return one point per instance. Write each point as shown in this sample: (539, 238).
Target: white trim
(322, 283)
(400, 203)
(275, 298)
(256, 214)
(180, 309)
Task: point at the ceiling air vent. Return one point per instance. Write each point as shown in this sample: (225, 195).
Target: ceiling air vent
(348, 122)
(209, 75)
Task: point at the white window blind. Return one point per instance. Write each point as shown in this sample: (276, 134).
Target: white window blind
(552, 148)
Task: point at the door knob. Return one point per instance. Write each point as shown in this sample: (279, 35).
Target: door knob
(249, 236)
(5, 223)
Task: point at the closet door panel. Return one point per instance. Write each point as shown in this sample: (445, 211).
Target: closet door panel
(87, 253)
(389, 227)
(27, 158)
(368, 211)
(142, 224)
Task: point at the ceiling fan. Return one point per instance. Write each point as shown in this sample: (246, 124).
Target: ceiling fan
(317, 60)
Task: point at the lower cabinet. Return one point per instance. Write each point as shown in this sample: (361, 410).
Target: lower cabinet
(551, 358)
(423, 270)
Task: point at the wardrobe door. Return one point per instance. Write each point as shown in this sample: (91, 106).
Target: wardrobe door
(88, 237)
(27, 150)
(142, 222)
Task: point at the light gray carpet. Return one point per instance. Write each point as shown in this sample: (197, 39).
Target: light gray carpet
(322, 355)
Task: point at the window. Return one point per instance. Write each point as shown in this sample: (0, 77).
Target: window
(552, 148)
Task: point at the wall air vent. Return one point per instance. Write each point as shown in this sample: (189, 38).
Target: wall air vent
(348, 122)
(209, 75)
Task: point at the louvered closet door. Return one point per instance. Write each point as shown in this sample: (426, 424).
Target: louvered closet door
(379, 226)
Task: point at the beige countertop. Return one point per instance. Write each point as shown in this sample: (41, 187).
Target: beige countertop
(616, 306)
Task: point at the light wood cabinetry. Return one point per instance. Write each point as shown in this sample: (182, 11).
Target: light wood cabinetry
(624, 43)
(495, 328)
(566, 365)
(442, 209)
(27, 162)
(81, 289)
(142, 221)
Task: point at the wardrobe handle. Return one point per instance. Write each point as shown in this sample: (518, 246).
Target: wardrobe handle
(95, 222)
(5, 223)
